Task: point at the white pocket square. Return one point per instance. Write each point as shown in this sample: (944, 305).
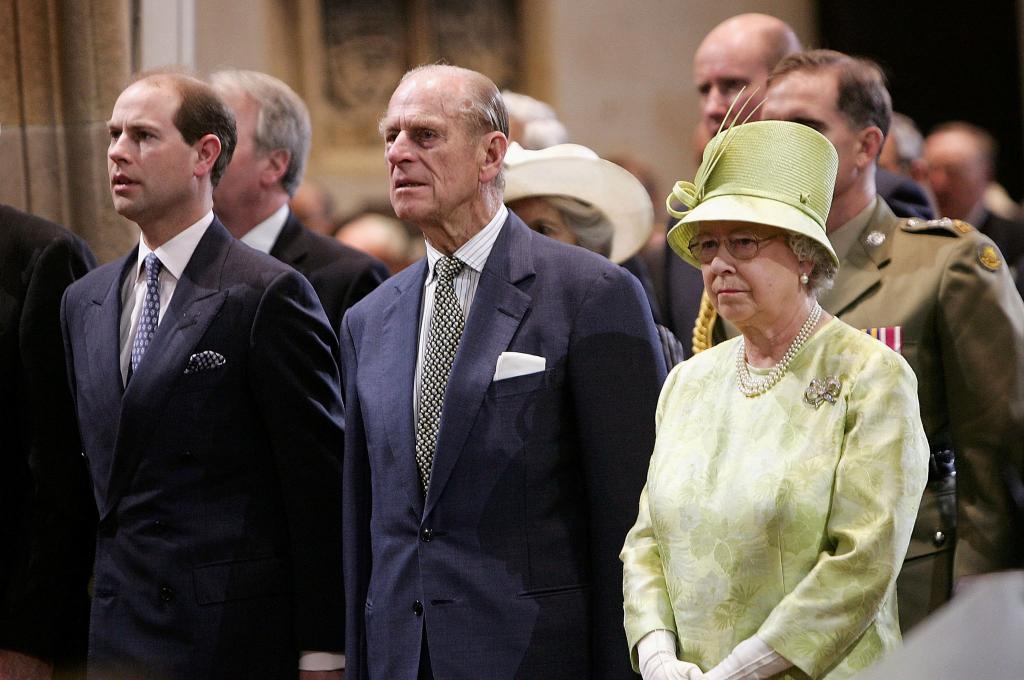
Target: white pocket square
(204, 361)
(513, 364)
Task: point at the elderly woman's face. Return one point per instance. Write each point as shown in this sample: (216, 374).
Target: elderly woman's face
(544, 218)
(750, 273)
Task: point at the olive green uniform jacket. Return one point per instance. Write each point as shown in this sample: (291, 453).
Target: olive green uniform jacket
(962, 330)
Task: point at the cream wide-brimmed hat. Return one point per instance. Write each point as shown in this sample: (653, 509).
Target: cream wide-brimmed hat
(771, 172)
(575, 171)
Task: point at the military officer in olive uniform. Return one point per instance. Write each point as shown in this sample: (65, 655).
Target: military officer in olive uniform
(939, 293)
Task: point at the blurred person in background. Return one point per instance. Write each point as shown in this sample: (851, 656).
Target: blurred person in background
(532, 123)
(381, 236)
(961, 164)
(313, 205)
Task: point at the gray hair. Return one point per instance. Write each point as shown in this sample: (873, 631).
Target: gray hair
(823, 271)
(593, 229)
(907, 138)
(282, 122)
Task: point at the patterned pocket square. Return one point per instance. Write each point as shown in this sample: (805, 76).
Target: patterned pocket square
(204, 361)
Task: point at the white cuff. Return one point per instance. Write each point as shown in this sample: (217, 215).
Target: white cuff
(321, 661)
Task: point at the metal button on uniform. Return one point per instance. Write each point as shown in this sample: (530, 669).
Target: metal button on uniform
(939, 538)
(166, 593)
(427, 535)
(417, 608)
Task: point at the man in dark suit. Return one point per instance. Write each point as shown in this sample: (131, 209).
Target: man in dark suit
(500, 396)
(265, 170)
(46, 510)
(207, 398)
(961, 159)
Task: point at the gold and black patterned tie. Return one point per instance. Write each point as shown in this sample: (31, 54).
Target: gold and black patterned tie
(446, 324)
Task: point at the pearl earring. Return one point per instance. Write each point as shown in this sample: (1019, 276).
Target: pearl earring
(804, 279)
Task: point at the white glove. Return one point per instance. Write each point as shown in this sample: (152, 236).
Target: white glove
(657, 654)
(751, 659)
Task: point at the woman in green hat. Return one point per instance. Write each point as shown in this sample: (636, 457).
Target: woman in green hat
(790, 460)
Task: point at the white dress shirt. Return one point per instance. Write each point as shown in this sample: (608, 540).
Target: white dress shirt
(474, 254)
(264, 235)
(173, 255)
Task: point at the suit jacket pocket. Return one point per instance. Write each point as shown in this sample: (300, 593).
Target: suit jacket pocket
(538, 593)
(522, 384)
(239, 580)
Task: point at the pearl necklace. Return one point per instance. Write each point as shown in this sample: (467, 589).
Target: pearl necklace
(754, 387)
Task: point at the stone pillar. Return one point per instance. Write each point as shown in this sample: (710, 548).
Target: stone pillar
(62, 65)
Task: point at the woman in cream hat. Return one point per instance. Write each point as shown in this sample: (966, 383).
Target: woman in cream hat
(789, 461)
(573, 195)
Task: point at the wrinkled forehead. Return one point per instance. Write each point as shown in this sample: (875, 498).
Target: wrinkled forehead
(439, 98)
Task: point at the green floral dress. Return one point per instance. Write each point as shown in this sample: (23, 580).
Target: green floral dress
(776, 517)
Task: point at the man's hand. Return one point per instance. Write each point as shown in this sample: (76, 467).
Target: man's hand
(18, 666)
(305, 675)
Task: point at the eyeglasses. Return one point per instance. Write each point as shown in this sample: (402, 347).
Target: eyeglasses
(741, 246)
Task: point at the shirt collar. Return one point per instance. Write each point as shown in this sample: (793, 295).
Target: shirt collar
(845, 236)
(264, 235)
(475, 251)
(176, 253)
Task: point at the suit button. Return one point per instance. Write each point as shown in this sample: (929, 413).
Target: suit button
(427, 535)
(166, 593)
(186, 455)
(159, 526)
(939, 539)
(417, 608)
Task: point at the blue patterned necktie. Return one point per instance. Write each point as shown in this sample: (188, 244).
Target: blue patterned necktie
(446, 323)
(150, 316)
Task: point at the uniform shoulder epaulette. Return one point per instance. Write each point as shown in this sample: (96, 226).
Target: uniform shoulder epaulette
(943, 225)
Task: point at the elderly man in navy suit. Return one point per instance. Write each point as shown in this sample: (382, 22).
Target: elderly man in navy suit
(207, 397)
(500, 400)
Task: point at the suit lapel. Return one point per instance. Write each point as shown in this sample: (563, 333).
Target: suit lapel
(290, 247)
(197, 299)
(861, 271)
(102, 334)
(399, 340)
(498, 309)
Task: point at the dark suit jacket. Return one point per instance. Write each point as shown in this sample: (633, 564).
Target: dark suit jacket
(684, 284)
(218, 549)
(341, 276)
(510, 563)
(46, 510)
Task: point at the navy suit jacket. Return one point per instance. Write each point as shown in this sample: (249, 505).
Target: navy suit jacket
(46, 511)
(218, 548)
(510, 564)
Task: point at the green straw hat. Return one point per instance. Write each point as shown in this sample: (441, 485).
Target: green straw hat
(771, 172)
